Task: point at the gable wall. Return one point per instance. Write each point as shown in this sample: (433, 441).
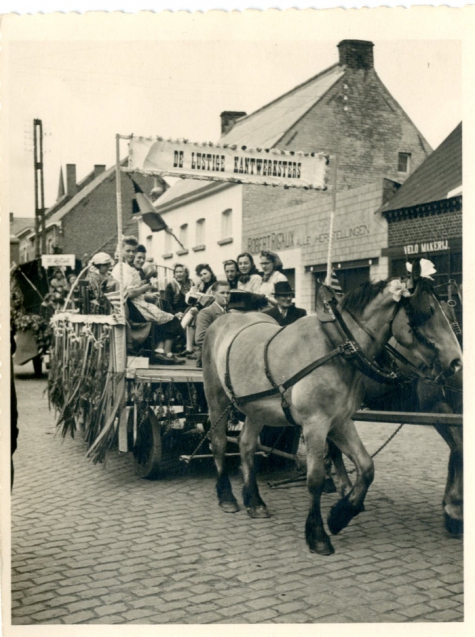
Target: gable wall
(93, 221)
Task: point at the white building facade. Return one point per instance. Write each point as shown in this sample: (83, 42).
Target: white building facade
(206, 218)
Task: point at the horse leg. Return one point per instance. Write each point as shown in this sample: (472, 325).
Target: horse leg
(315, 534)
(344, 483)
(253, 502)
(219, 417)
(346, 438)
(329, 484)
(453, 496)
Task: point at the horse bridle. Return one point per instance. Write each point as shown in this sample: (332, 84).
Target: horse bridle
(393, 351)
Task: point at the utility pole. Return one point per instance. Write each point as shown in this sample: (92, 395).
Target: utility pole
(40, 221)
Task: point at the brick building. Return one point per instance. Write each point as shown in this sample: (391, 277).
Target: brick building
(425, 215)
(345, 111)
(84, 218)
(21, 249)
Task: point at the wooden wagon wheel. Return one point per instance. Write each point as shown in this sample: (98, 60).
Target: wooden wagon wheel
(147, 450)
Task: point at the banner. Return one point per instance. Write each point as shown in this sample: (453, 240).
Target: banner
(228, 163)
(58, 260)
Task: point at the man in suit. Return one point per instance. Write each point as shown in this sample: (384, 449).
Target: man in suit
(285, 312)
(208, 315)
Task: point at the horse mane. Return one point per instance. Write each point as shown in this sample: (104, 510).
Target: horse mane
(417, 306)
(356, 300)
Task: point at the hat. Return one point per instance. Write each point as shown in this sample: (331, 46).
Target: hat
(101, 258)
(282, 288)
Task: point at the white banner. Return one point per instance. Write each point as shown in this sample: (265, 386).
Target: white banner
(228, 163)
(58, 260)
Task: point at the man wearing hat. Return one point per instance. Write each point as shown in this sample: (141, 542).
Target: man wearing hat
(285, 312)
(98, 278)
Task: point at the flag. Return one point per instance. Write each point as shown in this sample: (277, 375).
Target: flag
(142, 205)
(114, 300)
(335, 284)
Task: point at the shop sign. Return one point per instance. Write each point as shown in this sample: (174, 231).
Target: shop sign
(426, 246)
(215, 162)
(297, 239)
(58, 260)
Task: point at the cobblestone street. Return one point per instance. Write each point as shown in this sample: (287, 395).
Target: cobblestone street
(96, 544)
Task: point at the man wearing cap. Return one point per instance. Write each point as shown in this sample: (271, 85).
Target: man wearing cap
(97, 278)
(285, 311)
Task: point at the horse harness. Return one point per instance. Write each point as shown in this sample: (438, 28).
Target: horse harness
(349, 349)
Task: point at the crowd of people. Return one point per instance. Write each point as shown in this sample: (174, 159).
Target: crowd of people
(176, 319)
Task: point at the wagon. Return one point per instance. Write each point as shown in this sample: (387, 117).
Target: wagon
(158, 413)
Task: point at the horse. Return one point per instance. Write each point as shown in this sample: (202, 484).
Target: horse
(413, 396)
(321, 401)
(419, 395)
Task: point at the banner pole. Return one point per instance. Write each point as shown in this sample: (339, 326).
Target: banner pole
(118, 190)
(332, 217)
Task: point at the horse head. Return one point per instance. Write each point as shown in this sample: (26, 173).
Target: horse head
(421, 326)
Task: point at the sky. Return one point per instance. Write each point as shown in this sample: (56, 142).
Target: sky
(87, 91)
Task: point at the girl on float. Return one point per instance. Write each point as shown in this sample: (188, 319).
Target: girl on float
(272, 267)
(249, 278)
(199, 297)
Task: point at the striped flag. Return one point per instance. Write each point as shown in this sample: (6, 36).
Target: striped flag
(335, 284)
(114, 299)
(142, 205)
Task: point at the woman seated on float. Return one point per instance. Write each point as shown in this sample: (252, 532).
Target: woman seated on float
(138, 292)
(249, 278)
(272, 267)
(197, 298)
(177, 289)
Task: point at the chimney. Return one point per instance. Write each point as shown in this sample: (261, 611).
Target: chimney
(356, 54)
(228, 119)
(71, 185)
(98, 169)
(11, 217)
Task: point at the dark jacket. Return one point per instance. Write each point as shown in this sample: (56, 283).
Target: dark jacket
(293, 314)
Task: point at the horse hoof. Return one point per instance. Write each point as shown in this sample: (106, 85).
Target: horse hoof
(453, 526)
(340, 516)
(229, 507)
(329, 486)
(258, 512)
(323, 548)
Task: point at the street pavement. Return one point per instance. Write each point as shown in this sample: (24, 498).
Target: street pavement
(95, 544)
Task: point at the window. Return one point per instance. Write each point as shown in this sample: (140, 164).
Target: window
(168, 243)
(227, 224)
(200, 232)
(184, 234)
(404, 162)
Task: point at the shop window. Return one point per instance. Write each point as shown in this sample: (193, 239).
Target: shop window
(227, 224)
(200, 232)
(404, 162)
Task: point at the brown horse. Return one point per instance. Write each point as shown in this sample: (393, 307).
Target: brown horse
(323, 401)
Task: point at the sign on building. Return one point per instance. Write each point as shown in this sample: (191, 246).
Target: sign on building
(213, 162)
(58, 260)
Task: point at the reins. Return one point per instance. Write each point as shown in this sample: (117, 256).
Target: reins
(349, 349)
